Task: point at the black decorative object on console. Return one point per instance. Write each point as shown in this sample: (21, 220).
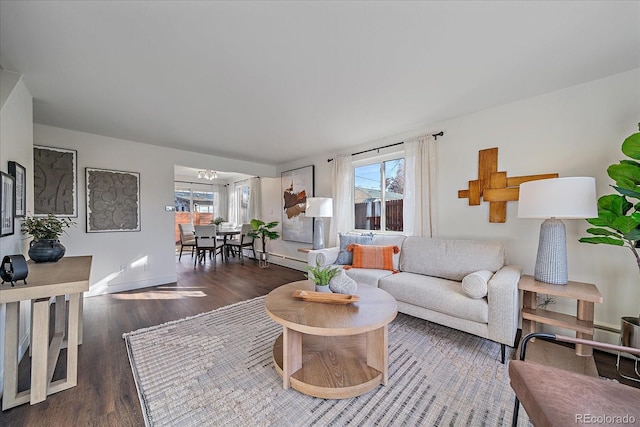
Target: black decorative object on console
(14, 268)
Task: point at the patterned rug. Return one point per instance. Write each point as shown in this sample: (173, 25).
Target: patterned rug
(216, 369)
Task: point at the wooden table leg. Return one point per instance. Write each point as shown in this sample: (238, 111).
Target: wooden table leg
(61, 314)
(73, 339)
(529, 300)
(39, 380)
(378, 351)
(291, 354)
(81, 319)
(585, 312)
(10, 379)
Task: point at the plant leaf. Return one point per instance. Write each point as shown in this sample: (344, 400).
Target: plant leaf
(626, 192)
(602, 232)
(604, 240)
(625, 224)
(631, 146)
(633, 235)
(625, 174)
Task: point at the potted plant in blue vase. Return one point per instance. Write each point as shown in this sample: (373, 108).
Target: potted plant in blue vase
(618, 221)
(45, 246)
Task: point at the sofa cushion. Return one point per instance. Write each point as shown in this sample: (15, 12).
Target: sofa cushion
(367, 276)
(345, 257)
(373, 256)
(450, 259)
(390, 240)
(475, 284)
(440, 295)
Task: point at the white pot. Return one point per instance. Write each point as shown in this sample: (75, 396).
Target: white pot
(630, 332)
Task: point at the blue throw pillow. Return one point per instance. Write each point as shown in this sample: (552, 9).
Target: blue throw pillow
(344, 256)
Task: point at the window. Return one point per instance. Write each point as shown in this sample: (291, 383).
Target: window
(194, 206)
(378, 195)
(203, 201)
(243, 197)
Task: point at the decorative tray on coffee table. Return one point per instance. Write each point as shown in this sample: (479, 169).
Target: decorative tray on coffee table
(325, 297)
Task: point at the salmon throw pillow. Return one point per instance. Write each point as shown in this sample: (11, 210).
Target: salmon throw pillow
(372, 256)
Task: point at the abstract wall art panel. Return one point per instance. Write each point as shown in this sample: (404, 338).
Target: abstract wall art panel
(54, 182)
(113, 200)
(297, 185)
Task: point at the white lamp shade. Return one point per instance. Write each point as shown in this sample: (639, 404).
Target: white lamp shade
(568, 198)
(319, 207)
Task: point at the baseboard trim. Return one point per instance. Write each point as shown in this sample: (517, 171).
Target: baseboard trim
(286, 261)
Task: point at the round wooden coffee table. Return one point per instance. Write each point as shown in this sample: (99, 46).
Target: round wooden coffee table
(333, 351)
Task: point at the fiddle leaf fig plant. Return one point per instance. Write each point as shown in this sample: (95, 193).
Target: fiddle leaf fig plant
(618, 221)
(263, 231)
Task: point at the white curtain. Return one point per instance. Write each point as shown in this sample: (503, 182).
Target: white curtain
(342, 185)
(420, 187)
(220, 201)
(255, 197)
(232, 204)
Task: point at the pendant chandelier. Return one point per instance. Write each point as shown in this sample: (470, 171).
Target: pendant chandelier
(208, 174)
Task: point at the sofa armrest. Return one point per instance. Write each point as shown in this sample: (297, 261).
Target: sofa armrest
(504, 304)
(326, 256)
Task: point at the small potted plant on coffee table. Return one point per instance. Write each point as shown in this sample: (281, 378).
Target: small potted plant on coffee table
(321, 276)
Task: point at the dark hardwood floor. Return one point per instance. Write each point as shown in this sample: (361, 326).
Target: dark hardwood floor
(106, 394)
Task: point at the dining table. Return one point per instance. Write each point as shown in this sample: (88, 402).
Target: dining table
(225, 232)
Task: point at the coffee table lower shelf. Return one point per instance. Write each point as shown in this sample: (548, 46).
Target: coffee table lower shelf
(332, 367)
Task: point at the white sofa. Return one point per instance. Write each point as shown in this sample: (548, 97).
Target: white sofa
(428, 283)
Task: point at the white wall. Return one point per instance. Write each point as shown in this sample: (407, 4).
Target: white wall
(16, 136)
(575, 131)
(148, 256)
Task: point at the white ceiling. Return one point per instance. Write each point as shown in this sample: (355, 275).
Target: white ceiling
(277, 81)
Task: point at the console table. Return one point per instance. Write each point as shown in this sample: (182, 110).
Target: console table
(68, 276)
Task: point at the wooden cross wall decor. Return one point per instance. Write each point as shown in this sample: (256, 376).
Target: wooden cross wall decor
(495, 187)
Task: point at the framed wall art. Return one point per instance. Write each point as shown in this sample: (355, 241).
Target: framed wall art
(19, 173)
(297, 185)
(113, 200)
(7, 210)
(54, 182)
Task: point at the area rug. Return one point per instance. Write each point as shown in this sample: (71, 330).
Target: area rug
(216, 369)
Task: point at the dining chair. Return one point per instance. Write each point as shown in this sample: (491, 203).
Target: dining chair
(187, 238)
(206, 241)
(244, 240)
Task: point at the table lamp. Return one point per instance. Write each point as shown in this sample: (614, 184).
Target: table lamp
(319, 207)
(555, 199)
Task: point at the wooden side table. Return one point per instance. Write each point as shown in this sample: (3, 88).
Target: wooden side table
(582, 323)
(69, 276)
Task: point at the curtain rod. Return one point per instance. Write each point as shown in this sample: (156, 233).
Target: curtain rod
(435, 135)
